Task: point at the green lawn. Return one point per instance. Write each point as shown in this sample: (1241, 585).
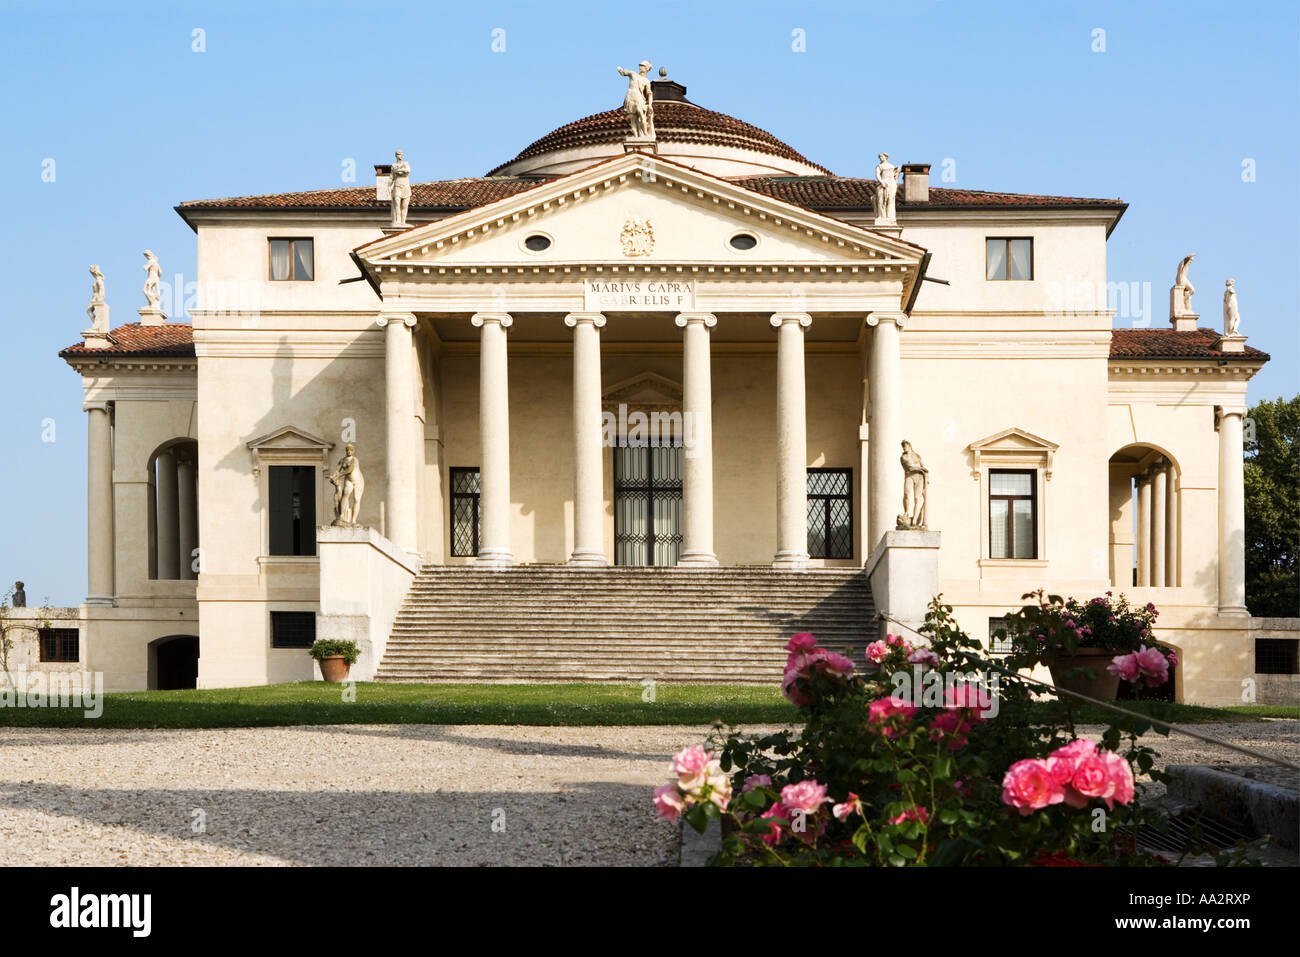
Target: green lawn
(315, 702)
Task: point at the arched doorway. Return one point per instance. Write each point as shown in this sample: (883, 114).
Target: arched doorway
(173, 518)
(1145, 518)
(174, 662)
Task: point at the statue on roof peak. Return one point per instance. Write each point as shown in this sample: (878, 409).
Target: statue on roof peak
(639, 102)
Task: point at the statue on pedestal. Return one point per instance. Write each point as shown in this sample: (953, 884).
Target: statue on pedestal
(1231, 318)
(20, 595)
(915, 481)
(153, 274)
(348, 487)
(96, 291)
(399, 178)
(1183, 304)
(639, 102)
(885, 196)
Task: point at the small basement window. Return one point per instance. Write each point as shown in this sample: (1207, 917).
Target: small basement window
(293, 629)
(1277, 656)
(292, 259)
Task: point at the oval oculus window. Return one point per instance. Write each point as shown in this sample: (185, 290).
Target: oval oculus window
(743, 241)
(537, 242)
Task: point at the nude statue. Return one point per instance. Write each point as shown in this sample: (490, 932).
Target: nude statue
(399, 178)
(885, 197)
(1182, 282)
(96, 292)
(349, 485)
(153, 273)
(915, 479)
(639, 102)
(1231, 317)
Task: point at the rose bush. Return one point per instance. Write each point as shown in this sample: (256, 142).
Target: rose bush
(884, 774)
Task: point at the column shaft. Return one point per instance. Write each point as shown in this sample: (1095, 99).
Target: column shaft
(791, 442)
(697, 423)
(1232, 514)
(884, 386)
(1158, 518)
(168, 544)
(1171, 527)
(99, 506)
(494, 433)
(1144, 531)
(187, 512)
(401, 515)
(588, 465)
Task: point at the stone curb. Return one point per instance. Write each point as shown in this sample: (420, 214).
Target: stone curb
(698, 848)
(1264, 808)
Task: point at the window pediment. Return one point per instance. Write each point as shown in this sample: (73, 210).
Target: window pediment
(1010, 448)
(289, 446)
(648, 391)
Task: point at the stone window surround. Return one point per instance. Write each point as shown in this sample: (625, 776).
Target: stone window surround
(289, 446)
(994, 454)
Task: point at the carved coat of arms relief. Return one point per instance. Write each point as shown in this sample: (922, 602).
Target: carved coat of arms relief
(638, 237)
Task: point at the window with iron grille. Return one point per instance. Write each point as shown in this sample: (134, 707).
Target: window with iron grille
(1277, 656)
(647, 502)
(292, 511)
(60, 644)
(464, 511)
(830, 513)
(1000, 646)
(293, 629)
(1013, 514)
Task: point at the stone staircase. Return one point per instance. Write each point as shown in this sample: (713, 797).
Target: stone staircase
(555, 623)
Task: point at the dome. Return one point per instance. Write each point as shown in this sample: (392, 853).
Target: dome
(689, 134)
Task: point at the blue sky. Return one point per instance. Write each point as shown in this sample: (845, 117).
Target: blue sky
(136, 121)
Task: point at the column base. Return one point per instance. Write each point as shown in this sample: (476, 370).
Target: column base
(698, 559)
(589, 558)
(495, 558)
(101, 601)
(1234, 611)
(790, 560)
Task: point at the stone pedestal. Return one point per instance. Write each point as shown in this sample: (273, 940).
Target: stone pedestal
(1232, 343)
(635, 144)
(97, 335)
(151, 317)
(903, 570)
(1181, 320)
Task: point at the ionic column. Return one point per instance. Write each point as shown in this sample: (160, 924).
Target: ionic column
(168, 545)
(1171, 527)
(187, 512)
(1158, 507)
(1144, 530)
(99, 504)
(791, 442)
(588, 467)
(494, 432)
(1232, 515)
(401, 514)
(885, 387)
(697, 456)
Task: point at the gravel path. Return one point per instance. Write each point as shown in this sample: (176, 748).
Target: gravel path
(391, 794)
(394, 794)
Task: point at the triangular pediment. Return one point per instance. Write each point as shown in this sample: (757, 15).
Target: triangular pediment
(289, 438)
(634, 211)
(649, 390)
(1010, 440)
(1013, 448)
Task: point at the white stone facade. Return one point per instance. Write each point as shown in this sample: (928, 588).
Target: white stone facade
(455, 344)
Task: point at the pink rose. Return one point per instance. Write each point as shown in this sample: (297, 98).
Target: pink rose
(951, 724)
(836, 665)
(803, 641)
(1092, 779)
(923, 656)
(850, 806)
(719, 785)
(968, 697)
(668, 802)
(876, 652)
(1126, 666)
(1153, 665)
(1121, 777)
(914, 813)
(773, 835)
(792, 692)
(756, 781)
(689, 766)
(1064, 760)
(882, 710)
(806, 796)
(1029, 785)
(893, 640)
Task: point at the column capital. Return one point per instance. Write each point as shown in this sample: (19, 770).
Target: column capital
(781, 318)
(504, 319)
(685, 318)
(406, 318)
(94, 406)
(897, 318)
(597, 319)
(1226, 410)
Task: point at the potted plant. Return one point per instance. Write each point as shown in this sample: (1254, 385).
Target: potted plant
(1091, 646)
(336, 658)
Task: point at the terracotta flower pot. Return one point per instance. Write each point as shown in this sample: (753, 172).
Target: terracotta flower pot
(334, 668)
(1102, 685)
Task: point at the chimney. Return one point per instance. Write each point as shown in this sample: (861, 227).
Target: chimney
(384, 185)
(916, 182)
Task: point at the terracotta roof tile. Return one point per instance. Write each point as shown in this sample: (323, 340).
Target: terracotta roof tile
(453, 194)
(1170, 344)
(169, 339)
(842, 192)
(676, 121)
